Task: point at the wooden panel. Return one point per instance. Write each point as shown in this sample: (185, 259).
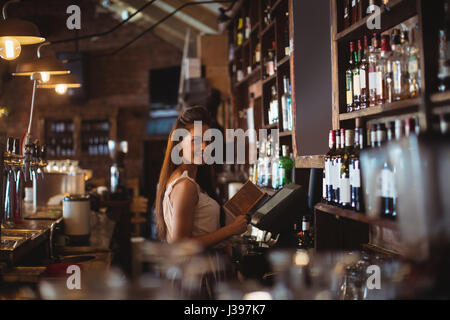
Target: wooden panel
(313, 76)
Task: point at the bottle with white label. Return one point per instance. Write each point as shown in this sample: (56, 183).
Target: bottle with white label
(374, 74)
(355, 169)
(388, 188)
(344, 189)
(327, 181)
(334, 176)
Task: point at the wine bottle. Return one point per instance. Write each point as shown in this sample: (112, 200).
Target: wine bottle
(349, 80)
(344, 188)
(328, 167)
(286, 166)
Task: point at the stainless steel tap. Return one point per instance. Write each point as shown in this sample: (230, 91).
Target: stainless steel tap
(19, 169)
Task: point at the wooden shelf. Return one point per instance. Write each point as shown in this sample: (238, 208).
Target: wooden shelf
(357, 216)
(383, 110)
(275, 6)
(266, 29)
(270, 126)
(283, 61)
(272, 77)
(317, 161)
(399, 10)
(249, 76)
(285, 133)
(254, 28)
(441, 110)
(440, 97)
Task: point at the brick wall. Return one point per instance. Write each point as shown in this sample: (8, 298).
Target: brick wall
(117, 83)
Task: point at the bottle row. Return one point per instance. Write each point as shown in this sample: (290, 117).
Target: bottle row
(383, 71)
(355, 10)
(342, 183)
(272, 170)
(272, 109)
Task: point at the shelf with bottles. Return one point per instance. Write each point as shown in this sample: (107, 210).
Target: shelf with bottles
(94, 137)
(388, 14)
(383, 72)
(357, 216)
(397, 107)
(59, 138)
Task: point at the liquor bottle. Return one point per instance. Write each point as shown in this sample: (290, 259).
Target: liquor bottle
(338, 165)
(334, 168)
(328, 183)
(270, 62)
(267, 17)
(344, 188)
(349, 80)
(286, 166)
(275, 165)
(364, 73)
(444, 124)
(257, 56)
(355, 169)
(240, 32)
(261, 157)
(399, 129)
(267, 164)
(286, 104)
(305, 236)
(374, 75)
(382, 67)
(357, 56)
(286, 37)
(413, 66)
(388, 190)
(248, 28)
(380, 134)
(354, 11)
(273, 109)
(444, 54)
(347, 13)
(400, 84)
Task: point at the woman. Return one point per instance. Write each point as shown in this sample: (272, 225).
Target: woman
(185, 205)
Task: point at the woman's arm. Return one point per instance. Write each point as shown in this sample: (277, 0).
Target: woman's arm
(184, 198)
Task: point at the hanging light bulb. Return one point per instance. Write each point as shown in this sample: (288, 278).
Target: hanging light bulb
(9, 48)
(45, 77)
(61, 89)
(15, 33)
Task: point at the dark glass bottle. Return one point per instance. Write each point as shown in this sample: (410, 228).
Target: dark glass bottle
(328, 167)
(364, 72)
(345, 189)
(349, 80)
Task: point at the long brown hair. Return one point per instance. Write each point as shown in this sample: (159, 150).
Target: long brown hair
(186, 118)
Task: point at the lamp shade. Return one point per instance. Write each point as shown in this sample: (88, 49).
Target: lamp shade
(24, 31)
(52, 66)
(68, 80)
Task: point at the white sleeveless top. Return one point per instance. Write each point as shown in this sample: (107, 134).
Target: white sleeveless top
(206, 215)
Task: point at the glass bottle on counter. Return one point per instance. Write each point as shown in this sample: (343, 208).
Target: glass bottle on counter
(286, 167)
(349, 80)
(344, 174)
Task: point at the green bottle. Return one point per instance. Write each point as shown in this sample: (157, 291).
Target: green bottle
(286, 167)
